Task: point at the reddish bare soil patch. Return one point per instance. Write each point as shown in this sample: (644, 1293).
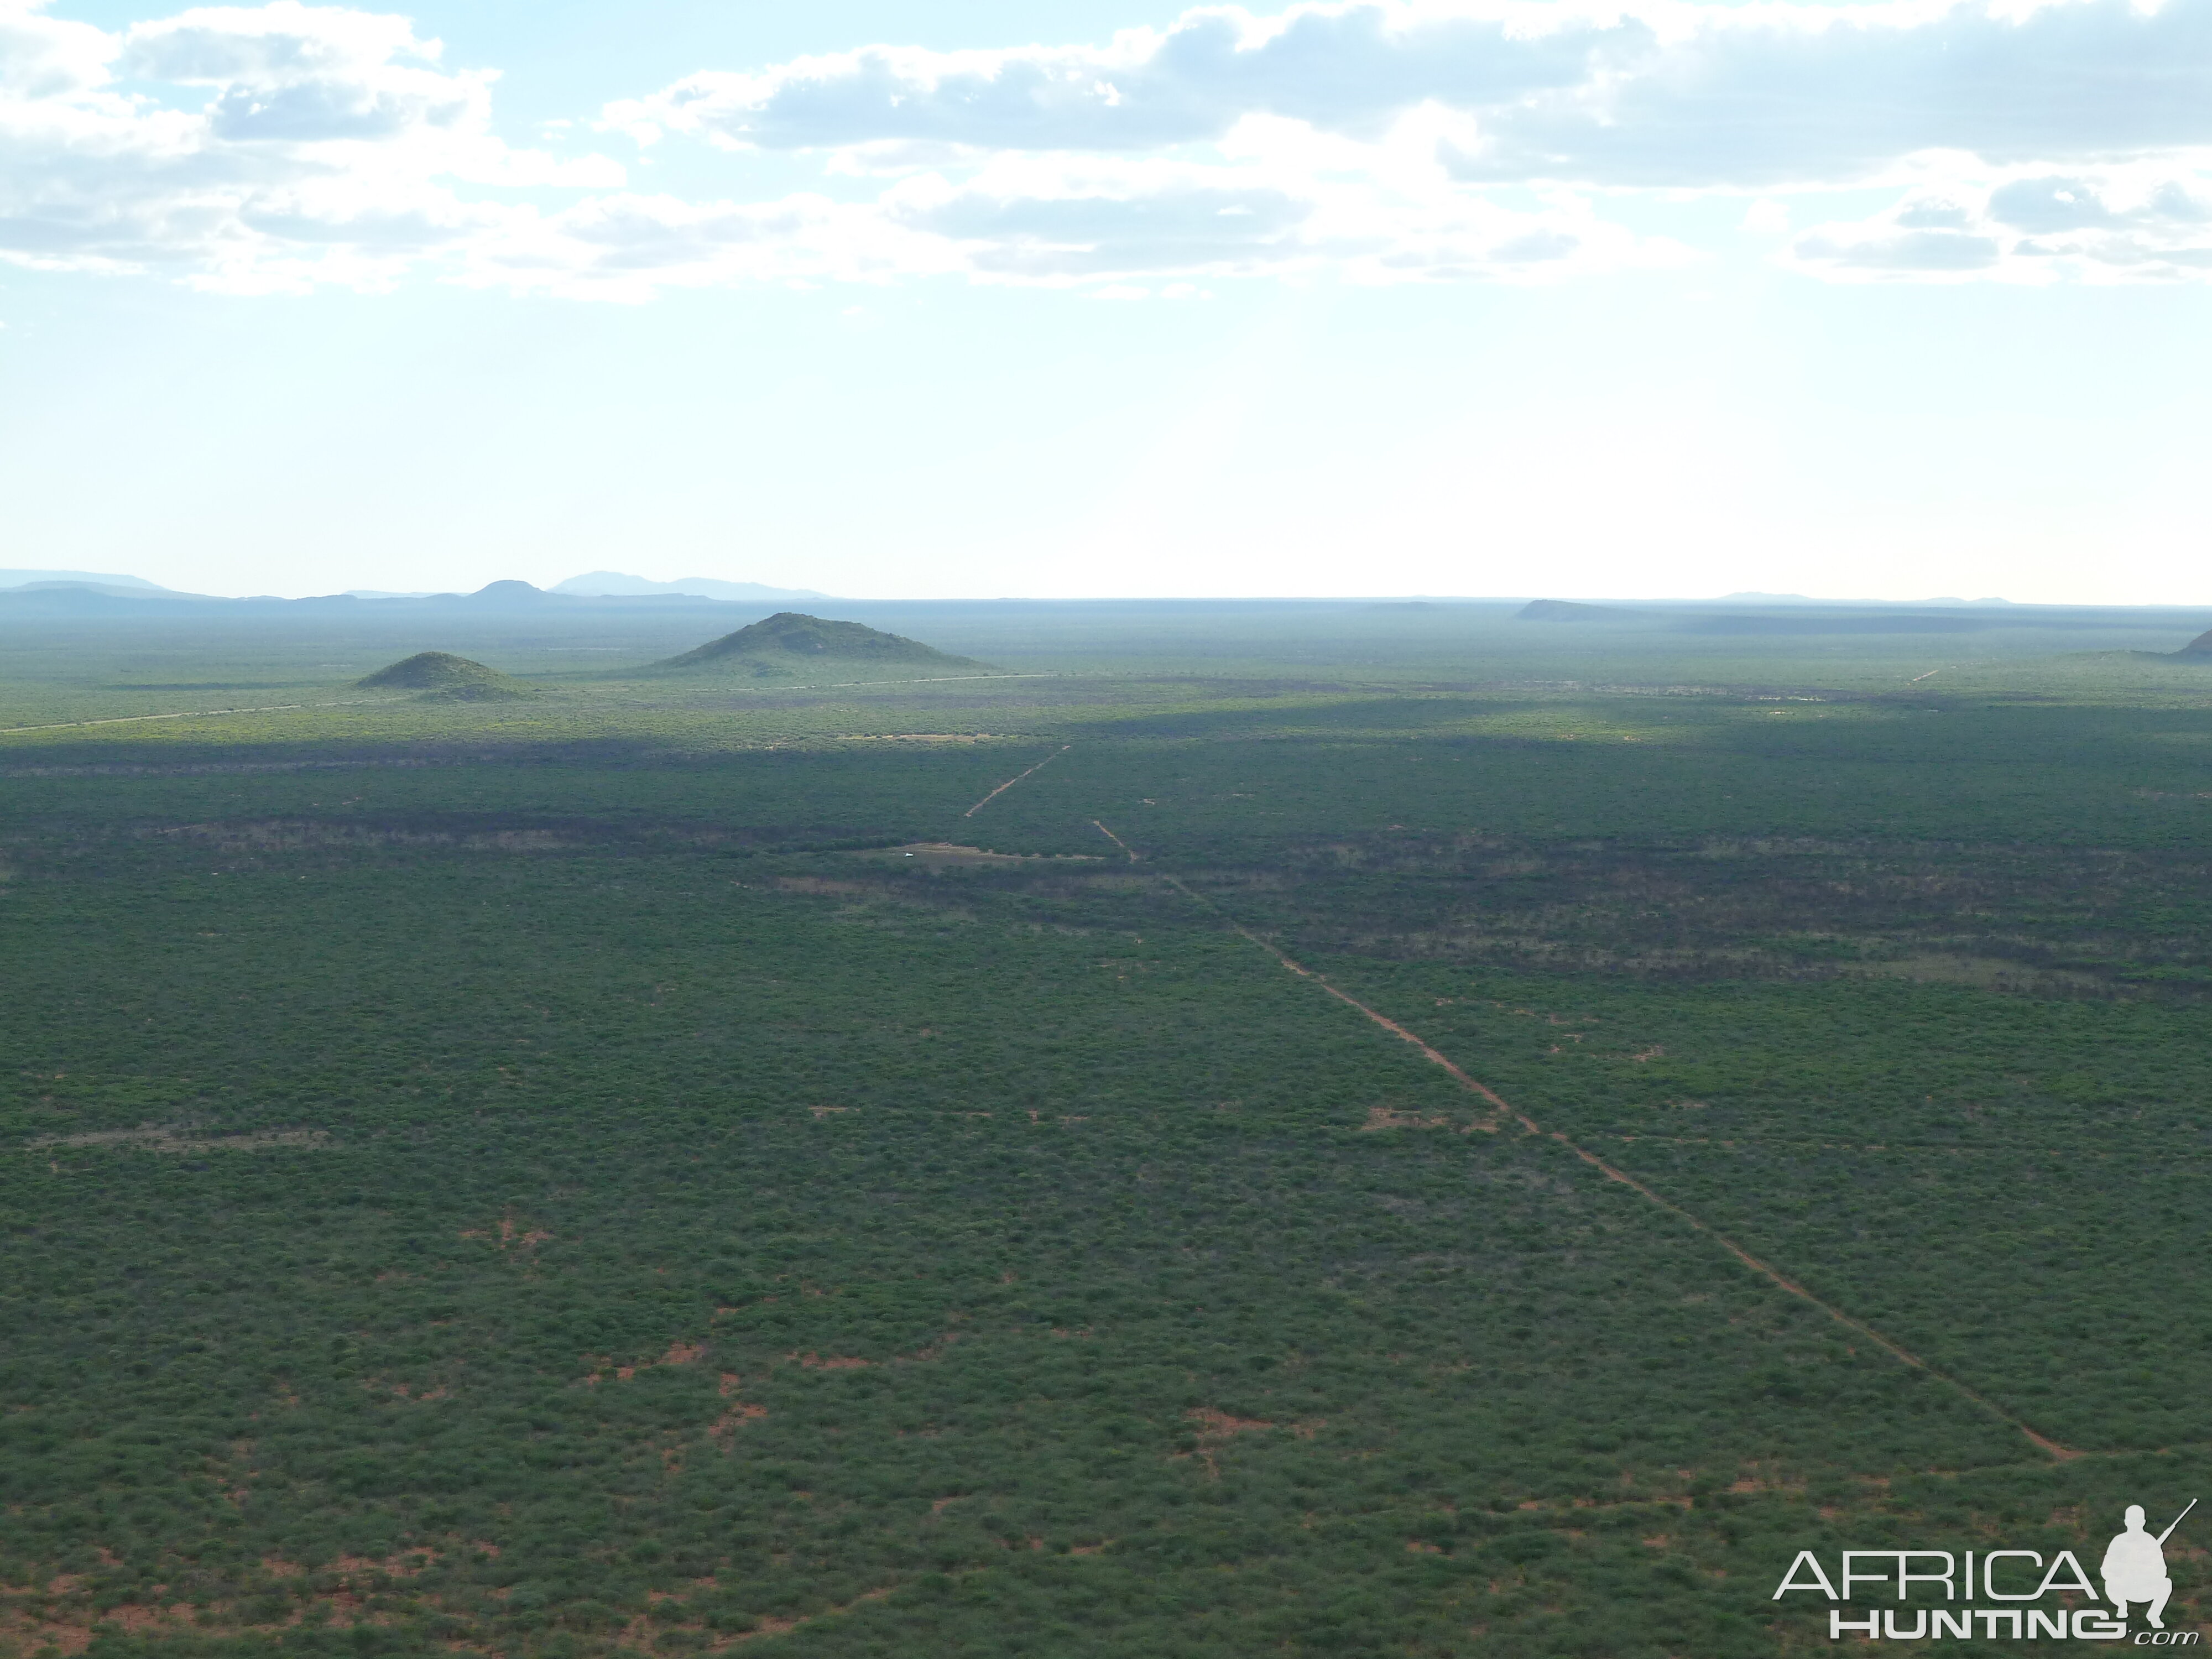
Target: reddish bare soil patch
(405, 1565)
(818, 885)
(738, 1414)
(1381, 1117)
(29, 1635)
(508, 1234)
(1217, 1429)
(815, 1362)
(137, 1619)
(821, 1112)
(404, 1390)
(679, 1353)
(168, 1138)
(773, 1626)
(935, 855)
(1757, 1481)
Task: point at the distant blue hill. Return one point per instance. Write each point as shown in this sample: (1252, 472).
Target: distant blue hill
(26, 578)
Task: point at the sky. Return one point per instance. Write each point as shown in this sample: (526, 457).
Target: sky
(1112, 298)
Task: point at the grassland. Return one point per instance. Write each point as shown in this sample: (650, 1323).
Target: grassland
(558, 1178)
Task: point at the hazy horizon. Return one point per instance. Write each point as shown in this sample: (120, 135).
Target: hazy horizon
(23, 578)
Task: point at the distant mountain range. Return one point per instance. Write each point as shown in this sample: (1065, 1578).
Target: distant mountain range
(612, 584)
(89, 596)
(86, 589)
(1795, 618)
(1800, 598)
(39, 578)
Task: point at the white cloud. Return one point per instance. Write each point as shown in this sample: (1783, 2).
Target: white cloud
(629, 246)
(1043, 222)
(287, 144)
(1657, 94)
(1344, 68)
(1066, 220)
(1819, 95)
(326, 148)
(282, 45)
(2115, 224)
(333, 145)
(41, 57)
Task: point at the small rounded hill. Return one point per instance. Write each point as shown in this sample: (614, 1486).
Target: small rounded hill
(441, 675)
(791, 642)
(2198, 649)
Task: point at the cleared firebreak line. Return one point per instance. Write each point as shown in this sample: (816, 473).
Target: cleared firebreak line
(1014, 780)
(1124, 846)
(1773, 1274)
(196, 713)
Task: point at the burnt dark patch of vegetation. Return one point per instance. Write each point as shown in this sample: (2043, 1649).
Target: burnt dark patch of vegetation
(2053, 921)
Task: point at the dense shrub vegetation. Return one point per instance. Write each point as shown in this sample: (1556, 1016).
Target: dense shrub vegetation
(542, 1179)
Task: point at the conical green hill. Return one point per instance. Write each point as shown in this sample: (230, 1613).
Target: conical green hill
(791, 642)
(440, 674)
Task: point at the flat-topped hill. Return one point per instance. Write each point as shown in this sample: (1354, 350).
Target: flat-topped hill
(791, 642)
(440, 674)
(1575, 611)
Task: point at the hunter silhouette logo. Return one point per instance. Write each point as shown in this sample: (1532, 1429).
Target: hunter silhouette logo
(2135, 1567)
(2133, 1572)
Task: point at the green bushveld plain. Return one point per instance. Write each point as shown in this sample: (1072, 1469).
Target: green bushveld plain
(600, 1169)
